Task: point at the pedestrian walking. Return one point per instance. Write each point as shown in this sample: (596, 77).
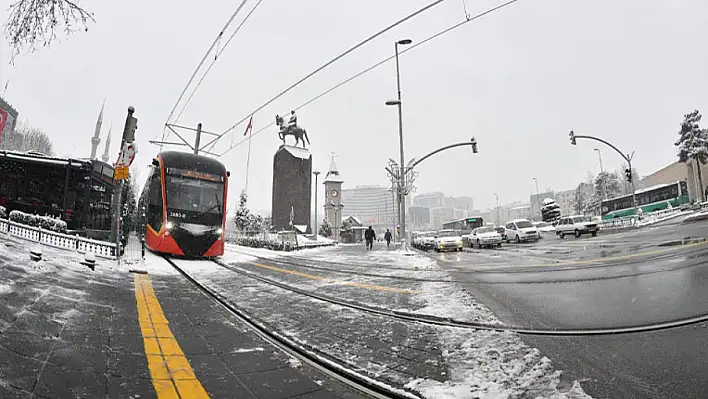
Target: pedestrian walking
(388, 237)
(370, 236)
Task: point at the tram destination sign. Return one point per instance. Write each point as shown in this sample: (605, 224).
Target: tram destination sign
(194, 174)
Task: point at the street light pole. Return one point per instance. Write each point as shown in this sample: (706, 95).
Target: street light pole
(538, 200)
(498, 220)
(602, 172)
(402, 177)
(316, 173)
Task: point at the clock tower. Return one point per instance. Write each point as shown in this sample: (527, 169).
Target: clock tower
(333, 197)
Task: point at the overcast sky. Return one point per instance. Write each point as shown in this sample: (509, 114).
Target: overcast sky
(518, 80)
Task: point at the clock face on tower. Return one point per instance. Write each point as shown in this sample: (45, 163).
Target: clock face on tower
(334, 193)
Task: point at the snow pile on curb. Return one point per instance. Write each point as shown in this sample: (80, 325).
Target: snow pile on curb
(450, 300)
(492, 364)
(703, 215)
(649, 222)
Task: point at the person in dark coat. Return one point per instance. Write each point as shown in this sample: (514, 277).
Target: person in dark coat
(370, 236)
(388, 237)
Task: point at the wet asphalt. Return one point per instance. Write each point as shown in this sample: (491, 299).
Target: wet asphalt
(640, 277)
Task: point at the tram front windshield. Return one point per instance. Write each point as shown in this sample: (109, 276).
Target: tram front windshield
(201, 200)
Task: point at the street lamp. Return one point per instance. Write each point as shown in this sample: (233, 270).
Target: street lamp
(316, 173)
(602, 172)
(402, 178)
(498, 220)
(538, 200)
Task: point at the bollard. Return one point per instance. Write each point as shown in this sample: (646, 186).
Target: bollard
(90, 260)
(36, 253)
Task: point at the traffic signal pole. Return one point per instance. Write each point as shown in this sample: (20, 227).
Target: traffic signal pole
(628, 158)
(131, 124)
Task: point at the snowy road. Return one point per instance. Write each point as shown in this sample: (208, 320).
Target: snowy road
(641, 277)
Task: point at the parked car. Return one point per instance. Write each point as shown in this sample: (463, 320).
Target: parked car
(425, 240)
(485, 237)
(577, 225)
(502, 232)
(544, 228)
(448, 240)
(521, 230)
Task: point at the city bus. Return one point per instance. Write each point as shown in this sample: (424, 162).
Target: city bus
(648, 199)
(465, 225)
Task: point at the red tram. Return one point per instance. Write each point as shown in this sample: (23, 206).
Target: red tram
(183, 205)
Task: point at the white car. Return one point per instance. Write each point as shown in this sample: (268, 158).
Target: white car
(425, 240)
(448, 240)
(577, 225)
(521, 230)
(485, 237)
(544, 228)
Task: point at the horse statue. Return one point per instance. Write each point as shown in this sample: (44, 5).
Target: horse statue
(291, 130)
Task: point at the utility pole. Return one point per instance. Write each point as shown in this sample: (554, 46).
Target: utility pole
(316, 173)
(197, 139)
(131, 125)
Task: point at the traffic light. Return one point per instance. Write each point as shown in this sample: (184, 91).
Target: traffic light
(628, 174)
(572, 137)
(131, 125)
(474, 145)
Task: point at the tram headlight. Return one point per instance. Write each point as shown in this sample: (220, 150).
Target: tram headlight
(219, 231)
(169, 225)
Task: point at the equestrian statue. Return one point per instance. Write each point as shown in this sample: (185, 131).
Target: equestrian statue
(291, 129)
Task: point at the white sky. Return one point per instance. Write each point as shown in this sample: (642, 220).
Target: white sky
(518, 80)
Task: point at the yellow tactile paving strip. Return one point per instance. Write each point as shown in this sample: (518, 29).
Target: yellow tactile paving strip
(171, 374)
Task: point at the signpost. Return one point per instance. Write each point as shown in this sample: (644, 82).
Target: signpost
(122, 166)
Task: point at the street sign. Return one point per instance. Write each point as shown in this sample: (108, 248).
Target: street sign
(121, 173)
(127, 154)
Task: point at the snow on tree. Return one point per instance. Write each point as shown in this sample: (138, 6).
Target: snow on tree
(607, 185)
(28, 138)
(550, 211)
(243, 218)
(693, 144)
(583, 197)
(325, 228)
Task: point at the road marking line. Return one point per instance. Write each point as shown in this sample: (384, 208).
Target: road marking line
(172, 376)
(348, 283)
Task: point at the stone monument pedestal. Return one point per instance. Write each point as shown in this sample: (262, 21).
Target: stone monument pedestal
(292, 189)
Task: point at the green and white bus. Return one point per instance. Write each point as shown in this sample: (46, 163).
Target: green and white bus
(465, 225)
(648, 199)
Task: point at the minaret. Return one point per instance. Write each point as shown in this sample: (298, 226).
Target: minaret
(333, 198)
(105, 156)
(96, 139)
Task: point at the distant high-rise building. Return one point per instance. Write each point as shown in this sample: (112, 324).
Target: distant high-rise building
(374, 206)
(536, 202)
(566, 201)
(466, 203)
(430, 200)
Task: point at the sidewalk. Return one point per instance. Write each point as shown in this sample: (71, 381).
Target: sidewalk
(68, 332)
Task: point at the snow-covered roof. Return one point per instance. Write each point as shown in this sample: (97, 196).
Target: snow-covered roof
(302, 228)
(332, 175)
(36, 157)
(298, 152)
(354, 218)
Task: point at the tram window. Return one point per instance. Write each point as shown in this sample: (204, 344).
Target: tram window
(155, 210)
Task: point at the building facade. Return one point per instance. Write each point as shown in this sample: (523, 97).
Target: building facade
(374, 206)
(536, 202)
(430, 200)
(333, 198)
(566, 200)
(464, 203)
(8, 120)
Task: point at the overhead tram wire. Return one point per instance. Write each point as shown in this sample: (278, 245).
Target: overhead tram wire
(201, 63)
(316, 71)
(218, 54)
(378, 64)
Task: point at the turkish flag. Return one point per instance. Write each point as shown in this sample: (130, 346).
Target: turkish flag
(249, 127)
(3, 118)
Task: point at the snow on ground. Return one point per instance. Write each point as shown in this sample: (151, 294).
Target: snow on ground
(491, 364)
(270, 254)
(696, 216)
(450, 300)
(651, 221)
(394, 259)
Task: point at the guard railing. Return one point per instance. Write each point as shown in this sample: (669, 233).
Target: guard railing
(58, 240)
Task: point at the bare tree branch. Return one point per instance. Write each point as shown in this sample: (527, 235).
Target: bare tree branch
(28, 138)
(35, 23)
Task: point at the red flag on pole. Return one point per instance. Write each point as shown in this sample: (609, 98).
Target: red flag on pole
(249, 127)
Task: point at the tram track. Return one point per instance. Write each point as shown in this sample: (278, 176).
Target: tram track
(448, 322)
(307, 354)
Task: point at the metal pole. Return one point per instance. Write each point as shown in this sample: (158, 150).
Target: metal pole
(538, 200)
(634, 192)
(118, 193)
(402, 179)
(498, 219)
(602, 171)
(316, 173)
(199, 137)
